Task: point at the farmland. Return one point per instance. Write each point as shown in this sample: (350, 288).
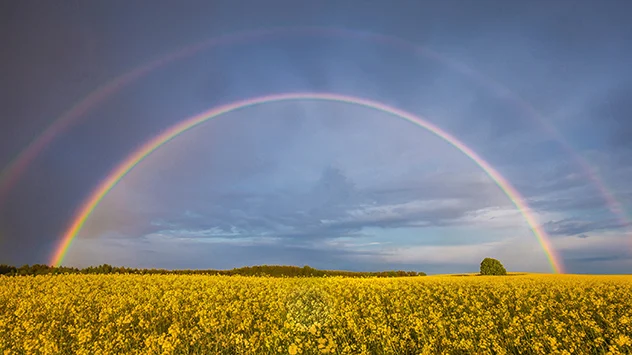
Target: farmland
(200, 314)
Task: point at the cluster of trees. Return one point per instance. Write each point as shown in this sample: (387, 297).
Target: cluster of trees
(263, 270)
(489, 266)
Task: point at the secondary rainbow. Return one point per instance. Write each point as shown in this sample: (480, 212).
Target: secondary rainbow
(10, 175)
(132, 160)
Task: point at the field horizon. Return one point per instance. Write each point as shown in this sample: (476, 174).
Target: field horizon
(255, 268)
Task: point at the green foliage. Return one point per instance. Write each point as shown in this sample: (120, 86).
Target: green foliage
(491, 266)
(260, 270)
(7, 269)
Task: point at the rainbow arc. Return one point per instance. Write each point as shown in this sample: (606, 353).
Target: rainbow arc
(146, 149)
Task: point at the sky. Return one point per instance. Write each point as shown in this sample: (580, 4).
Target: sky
(540, 90)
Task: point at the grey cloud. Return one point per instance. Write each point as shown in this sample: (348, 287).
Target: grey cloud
(615, 259)
(574, 226)
(575, 200)
(593, 259)
(332, 208)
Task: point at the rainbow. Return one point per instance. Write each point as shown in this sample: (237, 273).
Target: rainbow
(11, 174)
(132, 160)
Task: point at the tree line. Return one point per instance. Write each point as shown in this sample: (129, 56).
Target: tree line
(261, 270)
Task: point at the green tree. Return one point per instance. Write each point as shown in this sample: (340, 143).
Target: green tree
(491, 266)
(7, 269)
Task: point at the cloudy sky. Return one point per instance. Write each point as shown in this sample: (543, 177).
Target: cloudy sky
(542, 91)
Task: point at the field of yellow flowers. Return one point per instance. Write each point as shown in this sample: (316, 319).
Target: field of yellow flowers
(169, 314)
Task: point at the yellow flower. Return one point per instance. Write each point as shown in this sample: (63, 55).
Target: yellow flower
(155, 314)
(623, 340)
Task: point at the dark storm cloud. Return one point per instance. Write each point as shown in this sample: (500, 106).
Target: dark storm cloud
(568, 60)
(42, 52)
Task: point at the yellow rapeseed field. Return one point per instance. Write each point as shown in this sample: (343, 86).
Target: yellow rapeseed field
(169, 314)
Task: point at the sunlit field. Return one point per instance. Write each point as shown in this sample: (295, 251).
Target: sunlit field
(169, 314)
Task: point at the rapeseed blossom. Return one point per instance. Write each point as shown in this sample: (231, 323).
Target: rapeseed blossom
(196, 314)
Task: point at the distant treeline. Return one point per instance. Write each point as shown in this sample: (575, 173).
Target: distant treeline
(263, 270)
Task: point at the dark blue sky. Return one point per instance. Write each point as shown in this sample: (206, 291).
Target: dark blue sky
(536, 88)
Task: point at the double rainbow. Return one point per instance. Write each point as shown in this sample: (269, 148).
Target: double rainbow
(132, 160)
(11, 174)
